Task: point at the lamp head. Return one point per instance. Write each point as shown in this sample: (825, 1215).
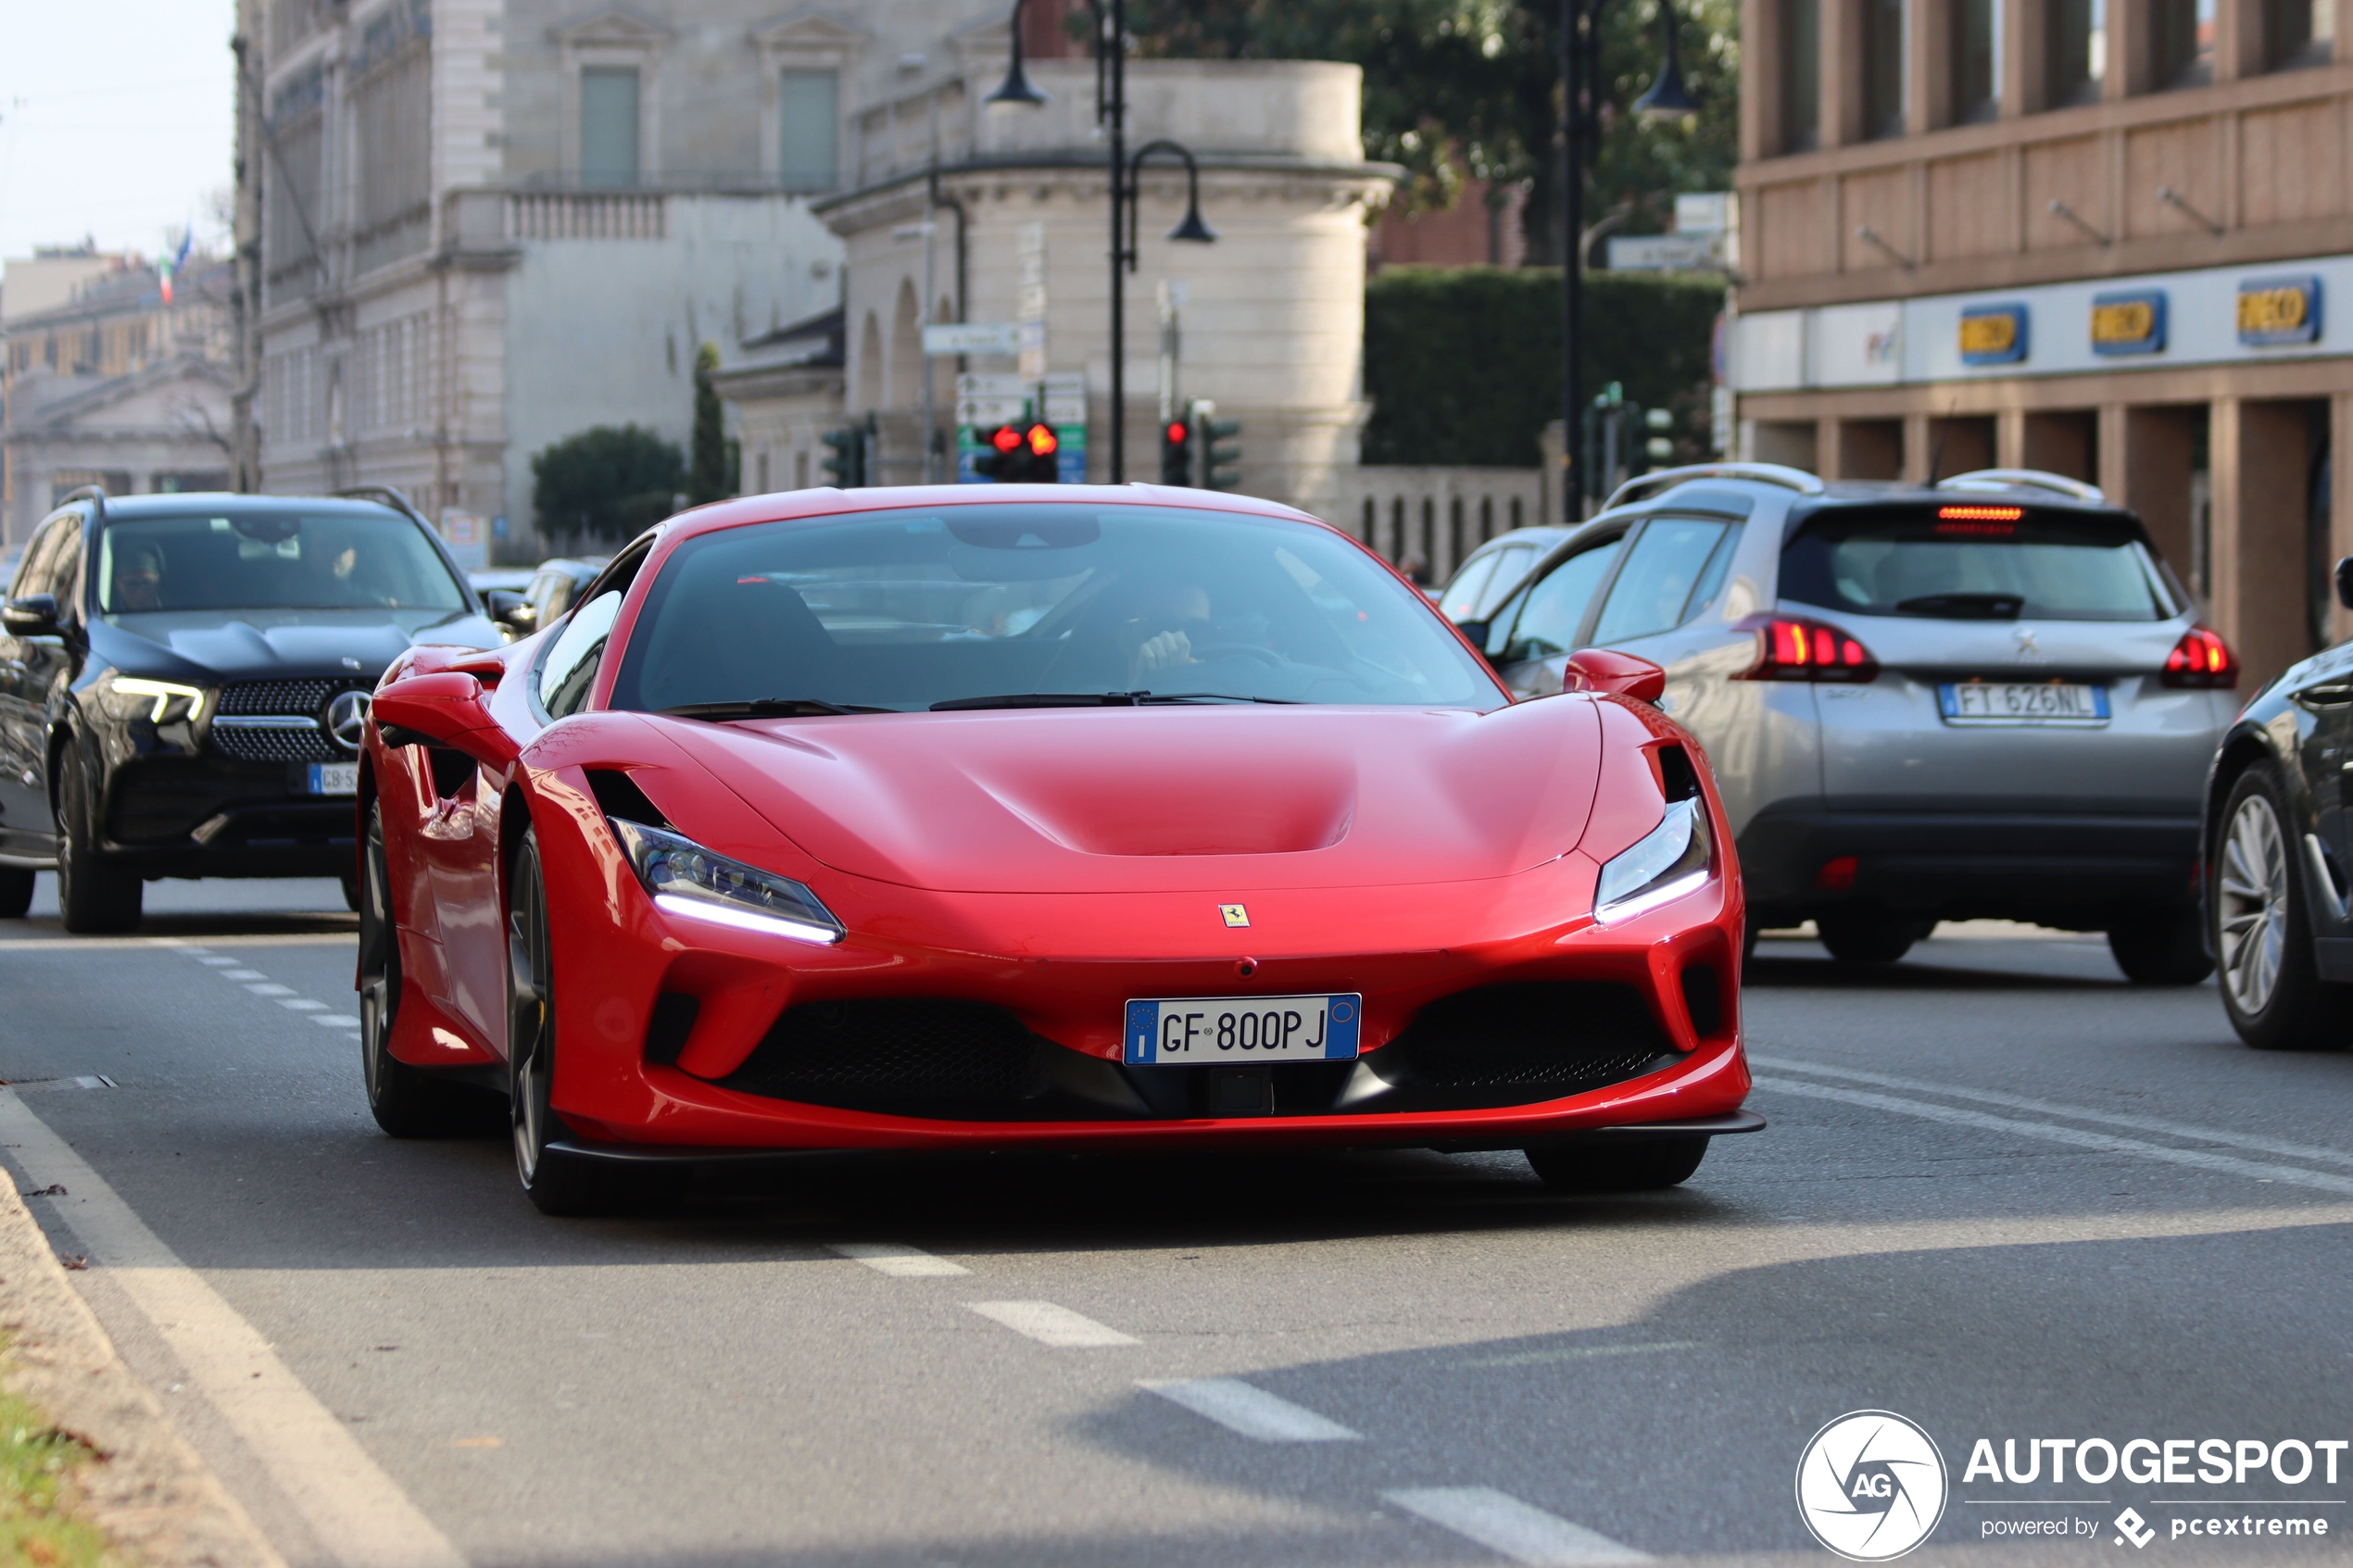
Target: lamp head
(1015, 89)
(1192, 229)
(1668, 98)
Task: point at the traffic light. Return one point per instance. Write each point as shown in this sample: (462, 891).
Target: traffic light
(1176, 453)
(1020, 455)
(1220, 464)
(845, 461)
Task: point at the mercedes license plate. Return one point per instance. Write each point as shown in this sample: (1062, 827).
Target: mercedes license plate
(335, 778)
(2023, 702)
(1222, 1031)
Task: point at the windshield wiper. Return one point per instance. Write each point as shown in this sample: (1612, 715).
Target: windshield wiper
(1143, 697)
(1965, 607)
(763, 707)
(1044, 699)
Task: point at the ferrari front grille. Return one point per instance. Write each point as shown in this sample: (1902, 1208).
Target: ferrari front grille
(1516, 1044)
(904, 1055)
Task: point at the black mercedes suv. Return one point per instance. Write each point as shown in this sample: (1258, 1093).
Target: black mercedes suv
(184, 678)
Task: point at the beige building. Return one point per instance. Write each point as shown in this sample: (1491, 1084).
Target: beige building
(2113, 238)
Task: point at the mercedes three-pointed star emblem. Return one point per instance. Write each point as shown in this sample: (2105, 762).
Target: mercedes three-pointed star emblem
(347, 719)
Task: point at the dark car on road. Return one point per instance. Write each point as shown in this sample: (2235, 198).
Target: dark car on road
(183, 681)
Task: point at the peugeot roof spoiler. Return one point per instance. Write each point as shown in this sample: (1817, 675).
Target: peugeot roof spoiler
(1763, 474)
(385, 493)
(2026, 478)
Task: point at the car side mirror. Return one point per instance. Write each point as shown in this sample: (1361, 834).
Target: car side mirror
(510, 610)
(1475, 634)
(35, 615)
(2344, 582)
(1604, 669)
(446, 709)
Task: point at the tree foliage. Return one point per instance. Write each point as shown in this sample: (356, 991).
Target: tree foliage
(1456, 87)
(606, 483)
(710, 477)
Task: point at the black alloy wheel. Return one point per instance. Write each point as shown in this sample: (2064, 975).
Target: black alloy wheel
(2165, 948)
(2271, 989)
(1869, 935)
(1593, 1165)
(408, 1102)
(15, 892)
(557, 1182)
(94, 898)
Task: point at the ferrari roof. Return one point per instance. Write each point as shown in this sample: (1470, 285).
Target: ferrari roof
(795, 505)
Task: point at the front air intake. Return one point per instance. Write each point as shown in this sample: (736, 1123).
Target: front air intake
(903, 1055)
(1522, 1042)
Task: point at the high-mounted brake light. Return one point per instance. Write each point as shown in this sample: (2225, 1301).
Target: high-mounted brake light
(1980, 514)
(1790, 648)
(2200, 659)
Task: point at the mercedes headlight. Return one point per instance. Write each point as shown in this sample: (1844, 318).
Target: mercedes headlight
(1673, 858)
(686, 879)
(162, 701)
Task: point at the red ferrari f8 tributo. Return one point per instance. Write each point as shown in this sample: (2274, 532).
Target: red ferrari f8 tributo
(1053, 816)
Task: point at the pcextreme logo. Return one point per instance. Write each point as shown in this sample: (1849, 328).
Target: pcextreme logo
(1871, 1485)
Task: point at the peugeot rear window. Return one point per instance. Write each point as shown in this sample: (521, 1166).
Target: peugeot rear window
(1976, 561)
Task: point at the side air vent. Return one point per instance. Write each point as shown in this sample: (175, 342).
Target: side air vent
(666, 1032)
(618, 796)
(1676, 774)
(1521, 1043)
(1704, 1000)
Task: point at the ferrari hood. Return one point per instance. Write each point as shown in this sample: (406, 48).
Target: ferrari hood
(1177, 799)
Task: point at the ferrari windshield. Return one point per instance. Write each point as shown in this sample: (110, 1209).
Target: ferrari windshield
(1033, 604)
(271, 560)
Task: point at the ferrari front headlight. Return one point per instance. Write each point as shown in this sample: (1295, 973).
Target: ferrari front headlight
(1673, 858)
(686, 879)
(163, 700)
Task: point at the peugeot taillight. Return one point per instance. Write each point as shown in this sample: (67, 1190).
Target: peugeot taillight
(1790, 648)
(2201, 659)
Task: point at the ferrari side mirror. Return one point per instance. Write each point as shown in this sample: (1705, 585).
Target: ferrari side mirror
(446, 709)
(1603, 669)
(2344, 582)
(35, 615)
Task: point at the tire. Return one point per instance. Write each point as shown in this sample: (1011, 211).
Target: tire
(408, 1102)
(94, 898)
(1868, 937)
(556, 1183)
(1592, 1166)
(2163, 949)
(351, 894)
(2271, 989)
(15, 892)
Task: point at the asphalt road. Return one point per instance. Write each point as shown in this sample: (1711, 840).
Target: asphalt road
(2003, 1194)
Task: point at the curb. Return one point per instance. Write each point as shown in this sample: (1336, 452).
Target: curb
(149, 1492)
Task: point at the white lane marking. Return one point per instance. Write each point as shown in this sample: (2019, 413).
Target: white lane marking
(270, 988)
(896, 1259)
(301, 1004)
(241, 974)
(1049, 1324)
(117, 944)
(1509, 1528)
(96, 1081)
(220, 963)
(359, 1514)
(1578, 1353)
(336, 1019)
(2252, 1142)
(2104, 1143)
(1253, 1412)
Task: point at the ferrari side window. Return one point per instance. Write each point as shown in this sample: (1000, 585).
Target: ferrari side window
(1554, 609)
(571, 667)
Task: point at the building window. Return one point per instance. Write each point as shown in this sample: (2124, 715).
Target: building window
(1801, 75)
(2181, 43)
(1883, 71)
(608, 125)
(1977, 48)
(2078, 46)
(2298, 33)
(808, 119)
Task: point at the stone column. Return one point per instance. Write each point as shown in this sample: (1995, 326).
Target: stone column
(1841, 89)
(1929, 65)
(2009, 439)
(2260, 453)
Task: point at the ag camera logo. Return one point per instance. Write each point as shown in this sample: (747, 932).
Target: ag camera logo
(1870, 1485)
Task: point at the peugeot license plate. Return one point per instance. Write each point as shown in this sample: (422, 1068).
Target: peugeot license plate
(1221, 1031)
(2023, 702)
(335, 778)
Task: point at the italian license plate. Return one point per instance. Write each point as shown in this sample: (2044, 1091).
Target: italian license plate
(1223, 1031)
(2023, 702)
(335, 778)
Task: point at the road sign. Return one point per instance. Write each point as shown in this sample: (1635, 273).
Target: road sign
(972, 338)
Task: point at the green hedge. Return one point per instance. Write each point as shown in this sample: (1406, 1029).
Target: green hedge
(1463, 363)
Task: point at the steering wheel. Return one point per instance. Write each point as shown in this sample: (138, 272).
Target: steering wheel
(1210, 652)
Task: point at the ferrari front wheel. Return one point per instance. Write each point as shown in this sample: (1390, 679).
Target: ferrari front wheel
(557, 1181)
(408, 1102)
(1593, 1166)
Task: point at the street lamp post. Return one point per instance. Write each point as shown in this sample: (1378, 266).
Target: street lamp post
(1111, 112)
(1668, 99)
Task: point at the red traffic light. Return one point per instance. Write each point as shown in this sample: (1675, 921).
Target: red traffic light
(1005, 438)
(1175, 435)
(1041, 440)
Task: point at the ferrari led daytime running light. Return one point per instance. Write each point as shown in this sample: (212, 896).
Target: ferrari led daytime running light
(1673, 858)
(165, 692)
(687, 879)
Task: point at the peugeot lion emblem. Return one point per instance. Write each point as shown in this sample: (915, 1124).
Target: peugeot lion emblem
(347, 718)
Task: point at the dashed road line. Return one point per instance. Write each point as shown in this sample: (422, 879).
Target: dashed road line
(1252, 1412)
(301, 1004)
(360, 1517)
(270, 988)
(1050, 1325)
(1510, 1528)
(1578, 1353)
(2104, 1143)
(336, 1019)
(898, 1261)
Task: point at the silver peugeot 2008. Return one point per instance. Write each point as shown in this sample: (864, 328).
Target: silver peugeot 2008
(1985, 698)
